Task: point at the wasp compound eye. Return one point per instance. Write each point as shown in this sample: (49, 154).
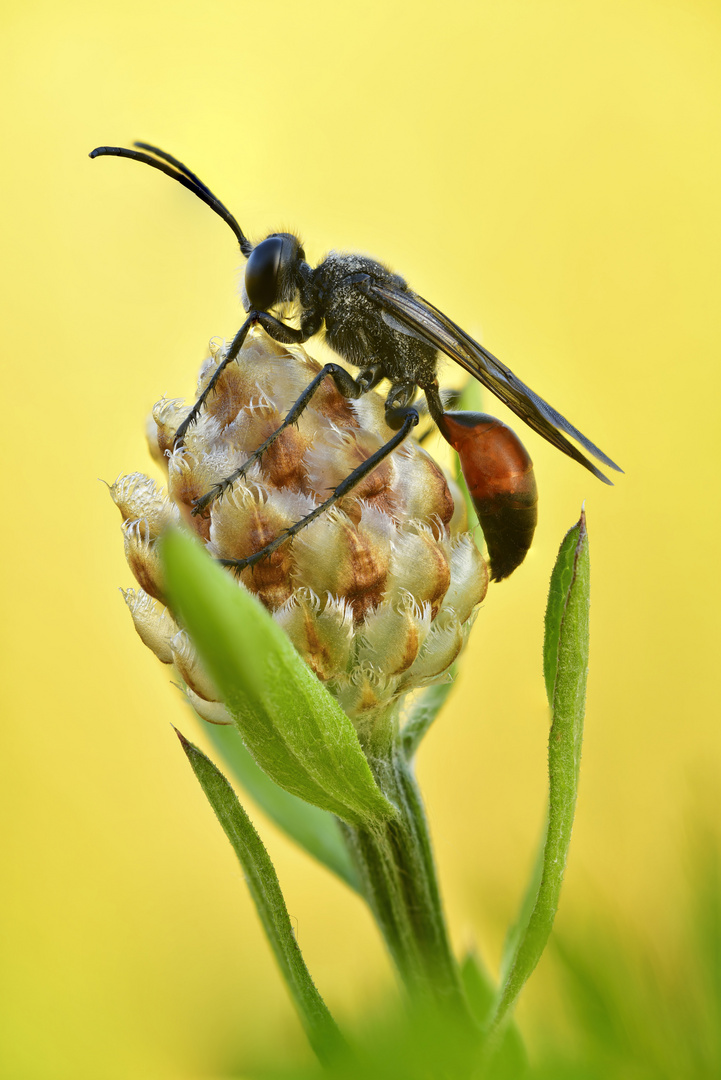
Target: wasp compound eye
(261, 273)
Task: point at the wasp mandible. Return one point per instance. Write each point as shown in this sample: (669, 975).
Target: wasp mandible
(376, 323)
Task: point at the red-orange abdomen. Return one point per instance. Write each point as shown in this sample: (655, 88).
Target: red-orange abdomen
(499, 474)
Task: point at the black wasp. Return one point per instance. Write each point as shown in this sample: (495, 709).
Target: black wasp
(376, 323)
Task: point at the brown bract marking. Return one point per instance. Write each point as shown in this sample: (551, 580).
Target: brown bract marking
(386, 502)
(330, 403)
(368, 700)
(436, 578)
(256, 425)
(249, 532)
(376, 489)
(270, 579)
(316, 654)
(165, 440)
(362, 577)
(200, 524)
(440, 498)
(411, 649)
(234, 391)
(376, 483)
(145, 569)
(282, 464)
(184, 489)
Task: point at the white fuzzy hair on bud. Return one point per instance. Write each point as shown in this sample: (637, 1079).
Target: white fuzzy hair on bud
(377, 595)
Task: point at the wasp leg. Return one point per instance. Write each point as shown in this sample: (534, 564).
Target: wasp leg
(449, 400)
(235, 347)
(407, 417)
(286, 335)
(345, 383)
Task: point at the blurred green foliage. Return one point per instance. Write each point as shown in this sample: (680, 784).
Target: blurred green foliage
(626, 1008)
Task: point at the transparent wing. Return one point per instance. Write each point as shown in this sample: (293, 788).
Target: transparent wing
(424, 320)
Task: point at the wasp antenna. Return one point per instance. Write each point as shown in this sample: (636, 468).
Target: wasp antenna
(157, 152)
(177, 171)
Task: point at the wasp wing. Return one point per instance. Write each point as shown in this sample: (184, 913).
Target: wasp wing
(423, 319)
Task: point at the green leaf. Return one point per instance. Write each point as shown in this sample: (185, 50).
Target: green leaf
(291, 725)
(565, 669)
(423, 712)
(569, 563)
(317, 831)
(518, 927)
(262, 880)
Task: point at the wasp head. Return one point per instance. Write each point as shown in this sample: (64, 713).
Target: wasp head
(271, 273)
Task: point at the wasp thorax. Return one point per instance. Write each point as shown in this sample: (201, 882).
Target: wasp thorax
(377, 595)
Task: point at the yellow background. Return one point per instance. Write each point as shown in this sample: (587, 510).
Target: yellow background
(545, 171)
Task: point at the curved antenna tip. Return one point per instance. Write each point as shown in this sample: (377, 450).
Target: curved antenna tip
(175, 169)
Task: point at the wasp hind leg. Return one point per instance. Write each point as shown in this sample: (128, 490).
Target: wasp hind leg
(405, 419)
(346, 385)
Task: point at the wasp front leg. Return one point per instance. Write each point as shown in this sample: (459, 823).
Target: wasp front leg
(279, 331)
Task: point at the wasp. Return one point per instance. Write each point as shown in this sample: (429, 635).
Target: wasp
(377, 324)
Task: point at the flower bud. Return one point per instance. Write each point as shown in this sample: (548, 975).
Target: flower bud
(377, 594)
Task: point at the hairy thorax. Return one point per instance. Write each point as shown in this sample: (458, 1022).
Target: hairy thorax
(356, 327)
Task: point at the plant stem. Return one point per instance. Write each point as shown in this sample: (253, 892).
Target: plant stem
(397, 871)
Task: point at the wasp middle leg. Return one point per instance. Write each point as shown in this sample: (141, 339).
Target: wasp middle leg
(404, 418)
(349, 387)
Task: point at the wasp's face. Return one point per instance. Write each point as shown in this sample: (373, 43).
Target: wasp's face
(271, 271)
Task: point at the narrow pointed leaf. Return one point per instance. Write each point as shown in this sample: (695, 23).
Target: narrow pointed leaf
(262, 880)
(518, 927)
(316, 831)
(565, 669)
(563, 577)
(291, 725)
